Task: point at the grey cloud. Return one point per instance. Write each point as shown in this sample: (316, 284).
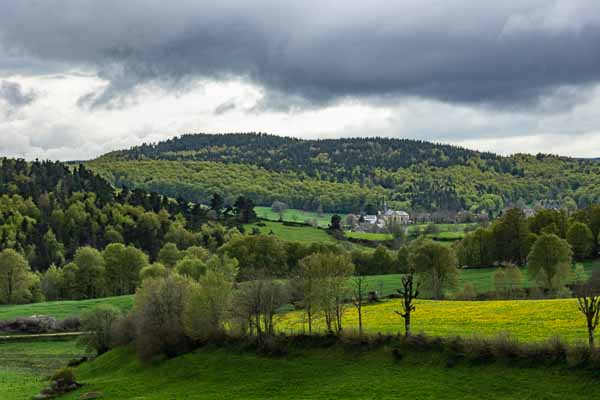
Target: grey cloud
(511, 54)
(13, 94)
(225, 107)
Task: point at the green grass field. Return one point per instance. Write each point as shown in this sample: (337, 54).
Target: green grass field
(525, 320)
(325, 373)
(294, 215)
(368, 236)
(481, 278)
(446, 232)
(24, 365)
(62, 309)
(303, 234)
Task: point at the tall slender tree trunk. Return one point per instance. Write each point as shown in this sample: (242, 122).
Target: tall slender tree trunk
(360, 322)
(590, 332)
(407, 324)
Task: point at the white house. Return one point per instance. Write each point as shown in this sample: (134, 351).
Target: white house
(371, 219)
(393, 215)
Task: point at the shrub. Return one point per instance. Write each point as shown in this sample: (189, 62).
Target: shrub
(97, 324)
(123, 330)
(580, 355)
(564, 293)
(467, 293)
(65, 375)
(158, 315)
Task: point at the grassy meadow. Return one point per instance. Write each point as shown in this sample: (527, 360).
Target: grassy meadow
(380, 237)
(525, 320)
(62, 309)
(481, 278)
(303, 234)
(324, 373)
(24, 365)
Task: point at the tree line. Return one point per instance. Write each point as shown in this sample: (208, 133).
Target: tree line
(174, 311)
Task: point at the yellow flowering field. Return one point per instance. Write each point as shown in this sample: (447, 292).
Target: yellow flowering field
(525, 320)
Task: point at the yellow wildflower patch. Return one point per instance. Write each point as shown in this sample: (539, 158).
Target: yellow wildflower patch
(525, 320)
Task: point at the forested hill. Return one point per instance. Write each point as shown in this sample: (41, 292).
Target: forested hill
(344, 175)
(332, 159)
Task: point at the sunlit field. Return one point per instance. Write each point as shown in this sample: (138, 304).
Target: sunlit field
(525, 320)
(62, 309)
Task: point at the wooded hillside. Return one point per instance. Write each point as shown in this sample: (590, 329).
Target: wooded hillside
(344, 175)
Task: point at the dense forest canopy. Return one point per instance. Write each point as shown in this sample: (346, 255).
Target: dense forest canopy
(347, 175)
(48, 211)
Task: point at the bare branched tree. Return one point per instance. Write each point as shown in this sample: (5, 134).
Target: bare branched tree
(409, 292)
(588, 302)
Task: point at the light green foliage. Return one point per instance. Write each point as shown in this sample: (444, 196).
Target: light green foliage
(260, 255)
(53, 283)
(197, 252)
(71, 288)
(181, 236)
(111, 235)
(156, 270)
(16, 279)
(169, 254)
(345, 175)
(550, 261)
(436, 266)
(197, 181)
(54, 248)
(90, 275)
(507, 280)
(123, 266)
(210, 299)
(324, 283)
(578, 275)
(191, 267)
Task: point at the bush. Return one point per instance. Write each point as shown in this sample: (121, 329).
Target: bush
(158, 316)
(564, 293)
(123, 330)
(97, 324)
(580, 355)
(467, 293)
(65, 375)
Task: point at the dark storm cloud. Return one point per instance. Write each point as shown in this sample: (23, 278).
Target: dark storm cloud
(509, 54)
(14, 95)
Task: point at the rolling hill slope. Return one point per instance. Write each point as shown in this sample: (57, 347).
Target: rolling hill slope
(336, 372)
(343, 175)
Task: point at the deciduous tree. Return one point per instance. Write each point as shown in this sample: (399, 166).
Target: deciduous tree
(550, 261)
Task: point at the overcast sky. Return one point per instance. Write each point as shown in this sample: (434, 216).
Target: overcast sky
(80, 77)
